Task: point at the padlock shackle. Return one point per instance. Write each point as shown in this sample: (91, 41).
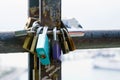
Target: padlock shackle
(63, 35)
(66, 32)
(45, 29)
(39, 30)
(35, 25)
(55, 34)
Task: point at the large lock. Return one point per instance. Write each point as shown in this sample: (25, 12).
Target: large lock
(43, 47)
(56, 49)
(29, 36)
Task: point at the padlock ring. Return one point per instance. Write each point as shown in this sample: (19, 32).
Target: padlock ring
(35, 25)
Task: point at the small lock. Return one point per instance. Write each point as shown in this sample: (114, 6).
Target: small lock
(43, 47)
(28, 40)
(69, 40)
(34, 42)
(56, 49)
(64, 44)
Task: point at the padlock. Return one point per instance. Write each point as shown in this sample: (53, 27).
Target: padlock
(34, 42)
(56, 49)
(35, 26)
(64, 44)
(28, 41)
(69, 40)
(43, 47)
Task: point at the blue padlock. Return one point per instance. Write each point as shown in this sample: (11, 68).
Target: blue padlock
(56, 49)
(43, 47)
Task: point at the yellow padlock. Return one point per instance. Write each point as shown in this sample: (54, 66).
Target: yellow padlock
(34, 42)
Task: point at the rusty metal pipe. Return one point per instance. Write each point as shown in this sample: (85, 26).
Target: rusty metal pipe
(98, 39)
(91, 40)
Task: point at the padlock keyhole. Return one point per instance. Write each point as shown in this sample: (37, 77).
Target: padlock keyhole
(42, 56)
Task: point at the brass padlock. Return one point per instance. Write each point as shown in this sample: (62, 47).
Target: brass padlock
(64, 44)
(69, 40)
(34, 42)
(28, 41)
(56, 48)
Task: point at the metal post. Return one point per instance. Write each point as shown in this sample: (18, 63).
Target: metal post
(33, 12)
(50, 15)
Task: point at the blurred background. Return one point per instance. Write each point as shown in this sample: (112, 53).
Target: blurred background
(86, 64)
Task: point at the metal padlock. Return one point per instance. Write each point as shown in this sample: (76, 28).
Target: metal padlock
(43, 47)
(69, 40)
(64, 44)
(56, 49)
(28, 41)
(34, 42)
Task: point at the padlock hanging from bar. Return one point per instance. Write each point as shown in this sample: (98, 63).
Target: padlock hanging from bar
(69, 40)
(64, 44)
(35, 39)
(56, 49)
(28, 40)
(43, 47)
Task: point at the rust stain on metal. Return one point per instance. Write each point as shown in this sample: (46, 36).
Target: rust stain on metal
(34, 12)
(51, 13)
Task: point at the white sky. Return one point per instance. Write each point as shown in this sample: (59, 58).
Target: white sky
(91, 14)
(13, 14)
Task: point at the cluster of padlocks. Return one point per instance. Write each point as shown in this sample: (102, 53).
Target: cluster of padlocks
(46, 43)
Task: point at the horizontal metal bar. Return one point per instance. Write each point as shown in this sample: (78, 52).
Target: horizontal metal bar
(98, 39)
(9, 43)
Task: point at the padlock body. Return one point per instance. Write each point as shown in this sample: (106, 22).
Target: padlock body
(56, 49)
(64, 47)
(69, 40)
(33, 46)
(43, 49)
(28, 42)
(71, 44)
